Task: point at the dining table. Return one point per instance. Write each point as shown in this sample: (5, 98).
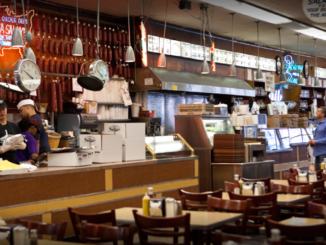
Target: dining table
(301, 221)
(284, 182)
(42, 242)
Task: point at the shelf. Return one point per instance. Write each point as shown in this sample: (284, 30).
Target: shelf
(261, 96)
(310, 98)
(109, 103)
(114, 120)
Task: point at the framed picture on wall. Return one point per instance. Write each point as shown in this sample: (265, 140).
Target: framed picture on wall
(278, 65)
(306, 69)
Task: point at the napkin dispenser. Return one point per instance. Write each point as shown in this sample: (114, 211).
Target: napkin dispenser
(164, 207)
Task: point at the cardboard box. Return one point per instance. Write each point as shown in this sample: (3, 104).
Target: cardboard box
(90, 140)
(135, 130)
(68, 159)
(115, 128)
(273, 121)
(111, 142)
(134, 149)
(107, 156)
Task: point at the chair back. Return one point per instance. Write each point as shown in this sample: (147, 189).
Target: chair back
(293, 189)
(261, 203)
(318, 173)
(315, 209)
(267, 182)
(323, 176)
(228, 186)
(287, 175)
(196, 201)
(234, 206)
(91, 233)
(57, 230)
(152, 226)
(94, 218)
(318, 187)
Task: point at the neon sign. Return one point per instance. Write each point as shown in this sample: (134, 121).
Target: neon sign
(292, 70)
(213, 57)
(143, 44)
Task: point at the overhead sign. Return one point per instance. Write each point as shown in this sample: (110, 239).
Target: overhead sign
(292, 70)
(315, 10)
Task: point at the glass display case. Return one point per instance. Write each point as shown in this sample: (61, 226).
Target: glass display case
(295, 135)
(283, 135)
(310, 132)
(273, 142)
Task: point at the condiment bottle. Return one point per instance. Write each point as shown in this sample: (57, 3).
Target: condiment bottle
(240, 183)
(2, 222)
(236, 188)
(275, 237)
(146, 205)
(150, 192)
(33, 237)
(322, 165)
(296, 170)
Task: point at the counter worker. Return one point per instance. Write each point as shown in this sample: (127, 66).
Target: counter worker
(29, 128)
(7, 152)
(319, 141)
(27, 109)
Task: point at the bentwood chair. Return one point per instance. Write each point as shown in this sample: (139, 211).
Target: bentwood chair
(318, 187)
(54, 230)
(91, 233)
(161, 227)
(94, 218)
(196, 201)
(228, 186)
(314, 209)
(267, 182)
(287, 175)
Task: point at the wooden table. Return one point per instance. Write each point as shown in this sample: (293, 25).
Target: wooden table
(296, 221)
(283, 182)
(283, 199)
(43, 242)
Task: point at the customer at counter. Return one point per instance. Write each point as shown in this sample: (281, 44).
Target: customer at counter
(27, 109)
(319, 141)
(7, 152)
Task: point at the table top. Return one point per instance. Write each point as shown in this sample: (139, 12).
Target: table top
(283, 199)
(43, 242)
(296, 221)
(283, 182)
(199, 220)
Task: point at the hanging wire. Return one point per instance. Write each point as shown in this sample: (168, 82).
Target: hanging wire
(129, 23)
(258, 40)
(233, 54)
(279, 37)
(78, 19)
(27, 14)
(24, 21)
(98, 27)
(166, 13)
(150, 5)
(298, 49)
(15, 13)
(315, 52)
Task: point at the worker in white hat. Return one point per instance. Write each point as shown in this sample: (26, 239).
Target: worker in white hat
(27, 109)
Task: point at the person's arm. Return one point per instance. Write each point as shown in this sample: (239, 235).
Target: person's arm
(34, 155)
(38, 146)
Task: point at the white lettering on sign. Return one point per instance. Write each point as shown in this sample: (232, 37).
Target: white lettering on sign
(315, 10)
(148, 81)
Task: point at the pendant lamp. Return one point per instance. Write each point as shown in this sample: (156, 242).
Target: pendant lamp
(300, 80)
(78, 46)
(317, 82)
(161, 59)
(29, 53)
(28, 34)
(259, 73)
(233, 71)
(130, 56)
(282, 76)
(16, 39)
(204, 66)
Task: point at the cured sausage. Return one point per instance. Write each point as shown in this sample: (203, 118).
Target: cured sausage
(9, 94)
(25, 97)
(125, 72)
(110, 70)
(56, 48)
(49, 26)
(124, 55)
(109, 35)
(56, 67)
(38, 63)
(100, 52)
(37, 44)
(49, 97)
(43, 24)
(61, 29)
(50, 46)
(105, 35)
(110, 54)
(74, 29)
(71, 68)
(62, 67)
(68, 68)
(116, 70)
(120, 70)
(124, 38)
(114, 36)
(62, 48)
(63, 86)
(71, 48)
(105, 54)
(45, 68)
(80, 27)
(82, 72)
(76, 68)
(59, 96)
(94, 52)
(84, 30)
(86, 68)
(67, 28)
(120, 52)
(14, 95)
(50, 66)
(90, 33)
(115, 52)
(53, 97)
(68, 49)
(119, 37)
(55, 25)
(128, 70)
(100, 34)
(90, 51)
(94, 32)
(36, 23)
(38, 94)
(44, 46)
(69, 86)
(45, 86)
(85, 50)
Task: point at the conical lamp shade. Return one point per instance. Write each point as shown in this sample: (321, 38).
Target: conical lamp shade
(130, 56)
(259, 74)
(17, 39)
(78, 48)
(29, 54)
(233, 70)
(300, 80)
(282, 78)
(204, 67)
(317, 82)
(161, 60)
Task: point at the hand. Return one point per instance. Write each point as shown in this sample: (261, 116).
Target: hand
(32, 162)
(311, 142)
(21, 146)
(6, 147)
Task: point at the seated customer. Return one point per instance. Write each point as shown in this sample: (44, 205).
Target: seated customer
(29, 127)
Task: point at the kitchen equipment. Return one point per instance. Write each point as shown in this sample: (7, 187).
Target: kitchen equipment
(71, 107)
(153, 125)
(68, 159)
(64, 149)
(196, 109)
(54, 139)
(221, 109)
(254, 151)
(42, 109)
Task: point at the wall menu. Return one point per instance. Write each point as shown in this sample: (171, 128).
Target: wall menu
(196, 52)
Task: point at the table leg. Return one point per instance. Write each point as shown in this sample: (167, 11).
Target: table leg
(197, 237)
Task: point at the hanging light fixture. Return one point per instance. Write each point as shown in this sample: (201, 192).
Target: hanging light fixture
(259, 73)
(29, 53)
(317, 82)
(16, 39)
(300, 80)
(78, 46)
(204, 66)
(130, 56)
(282, 76)
(233, 71)
(161, 59)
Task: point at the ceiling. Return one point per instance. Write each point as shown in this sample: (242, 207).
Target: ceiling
(245, 28)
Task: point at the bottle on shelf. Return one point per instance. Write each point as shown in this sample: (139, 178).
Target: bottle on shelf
(275, 237)
(323, 165)
(296, 171)
(33, 237)
(146, 205)
(150, 192)
(236, 188)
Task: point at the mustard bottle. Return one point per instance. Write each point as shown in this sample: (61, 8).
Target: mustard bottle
(146, 205)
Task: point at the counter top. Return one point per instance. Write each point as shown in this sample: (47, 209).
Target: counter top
(281, 150)
(243, 163)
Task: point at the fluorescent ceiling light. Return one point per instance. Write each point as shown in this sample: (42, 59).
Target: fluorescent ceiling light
(313, 32)
(222, 3)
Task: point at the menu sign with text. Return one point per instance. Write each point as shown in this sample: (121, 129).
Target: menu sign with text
(201, 53)
(208, 53)
(185, 50)
(167, 45)
(194, 51)
(175, 48)
(153, 44)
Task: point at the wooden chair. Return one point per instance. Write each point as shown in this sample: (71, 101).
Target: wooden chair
(263, 206)
(234, 206)
(228, 186)
(318, 186)
(315, 209)
(219, 238)
(91, 233)
(57, 230)
(287, 175)
(294, 209)
(267, 182)
(302, 234)
(94, 218)
(319, 174)
(323, 176)
(196, 201)
(152, 226)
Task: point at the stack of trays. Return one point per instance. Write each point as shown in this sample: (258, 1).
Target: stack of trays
(228, 148)
(295, 120)
(303, 122)
(286, 121)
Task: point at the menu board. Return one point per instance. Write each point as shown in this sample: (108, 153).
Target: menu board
(229, 56)
(245, 60)
(185, 50)
(208, 54)
(238, 59)
(153, 44)
(167, 45)
(194, 51)
(175, 48)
